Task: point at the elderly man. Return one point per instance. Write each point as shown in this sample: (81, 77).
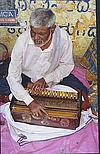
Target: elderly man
(42, 55)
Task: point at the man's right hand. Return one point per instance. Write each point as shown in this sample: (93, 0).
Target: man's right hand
(37, 109)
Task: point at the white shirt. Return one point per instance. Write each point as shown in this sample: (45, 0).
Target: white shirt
(30, 60)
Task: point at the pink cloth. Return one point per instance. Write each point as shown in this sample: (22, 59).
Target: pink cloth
(84, 141)
(80, 73)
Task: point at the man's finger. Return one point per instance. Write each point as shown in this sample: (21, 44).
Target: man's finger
(33, 113)
(43, 111)
(40, 113)
(42, 87)
(37, 87)
(36, 113)
(33, 87)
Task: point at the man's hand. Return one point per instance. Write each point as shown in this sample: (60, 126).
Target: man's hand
(37, 109)
(40, 84)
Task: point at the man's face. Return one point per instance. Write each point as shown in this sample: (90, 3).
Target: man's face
(40, 35)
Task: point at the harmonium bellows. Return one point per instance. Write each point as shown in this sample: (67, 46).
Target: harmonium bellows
(63, 108)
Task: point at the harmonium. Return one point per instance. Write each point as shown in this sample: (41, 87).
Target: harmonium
(63, 108)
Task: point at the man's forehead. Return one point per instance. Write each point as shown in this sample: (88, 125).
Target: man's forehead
(43, 28)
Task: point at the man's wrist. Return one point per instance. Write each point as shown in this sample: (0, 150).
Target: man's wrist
(28, 99)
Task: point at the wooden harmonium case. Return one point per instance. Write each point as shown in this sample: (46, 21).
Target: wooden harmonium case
(63, 108)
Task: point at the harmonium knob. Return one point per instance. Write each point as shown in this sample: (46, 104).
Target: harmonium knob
(71, 95)
(55, 93)
(58, 93)
(66, 95)
(61, 94)
(43, 93)
(75, 96)
(48, 92)
(51, 93)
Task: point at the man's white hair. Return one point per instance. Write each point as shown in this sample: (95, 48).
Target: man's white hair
(42, 17)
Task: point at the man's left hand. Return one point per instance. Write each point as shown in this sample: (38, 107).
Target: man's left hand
(40, 84)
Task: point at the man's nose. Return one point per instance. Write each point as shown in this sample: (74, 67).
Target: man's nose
(36, 36)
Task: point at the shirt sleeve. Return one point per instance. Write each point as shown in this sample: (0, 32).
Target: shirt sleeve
(66, 64)
(14, 73)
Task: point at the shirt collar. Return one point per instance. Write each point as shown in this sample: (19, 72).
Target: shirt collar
(49, 48)
(30, 39)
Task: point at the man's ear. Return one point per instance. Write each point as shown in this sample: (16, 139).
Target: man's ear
(53, 28)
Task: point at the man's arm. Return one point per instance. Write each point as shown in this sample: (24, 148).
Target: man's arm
(14, 80)
(65, 66)
(14, 73)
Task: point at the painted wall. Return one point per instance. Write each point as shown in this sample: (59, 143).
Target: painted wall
(77, 17)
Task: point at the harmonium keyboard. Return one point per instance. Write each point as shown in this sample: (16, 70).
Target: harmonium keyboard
(63, 108)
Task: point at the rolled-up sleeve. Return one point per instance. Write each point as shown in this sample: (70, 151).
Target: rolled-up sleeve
(14, 74)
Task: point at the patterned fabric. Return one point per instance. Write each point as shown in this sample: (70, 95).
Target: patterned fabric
(93, 96)
(89, 60)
